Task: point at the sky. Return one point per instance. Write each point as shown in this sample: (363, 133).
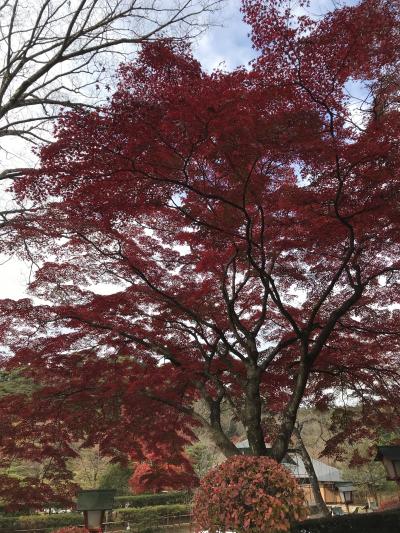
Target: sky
(226, 45)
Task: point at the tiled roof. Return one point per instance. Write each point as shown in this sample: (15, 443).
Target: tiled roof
(295, 464)
(323, 471)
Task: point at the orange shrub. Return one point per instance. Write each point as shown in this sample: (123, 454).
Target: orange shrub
(248, 494)
(393, 503)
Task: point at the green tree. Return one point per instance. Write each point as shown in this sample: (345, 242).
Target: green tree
(203, 456)
(116, 477)
(13, 382)
(88, 467)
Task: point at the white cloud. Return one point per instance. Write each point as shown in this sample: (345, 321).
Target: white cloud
(226, 45)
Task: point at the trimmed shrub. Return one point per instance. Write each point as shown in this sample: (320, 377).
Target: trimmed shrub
(42, 522)
(146, 500)
(148, 518)
(248, 494)
(385, 522)
(156, 511)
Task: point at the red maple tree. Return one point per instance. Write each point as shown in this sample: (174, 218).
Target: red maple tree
(232, 237)
(156, 476)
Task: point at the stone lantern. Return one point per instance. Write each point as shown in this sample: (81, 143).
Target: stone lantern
(346, 492)
(94, 503)
(390, 457)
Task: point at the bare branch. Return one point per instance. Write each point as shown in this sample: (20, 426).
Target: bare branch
(55, 54)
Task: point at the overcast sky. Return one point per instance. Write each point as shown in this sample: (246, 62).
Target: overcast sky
(227, 46)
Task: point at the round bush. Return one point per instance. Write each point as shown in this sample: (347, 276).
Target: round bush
(248, 494)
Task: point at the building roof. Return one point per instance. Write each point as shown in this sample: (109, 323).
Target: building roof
(324, 472)
(244, 446)
(295, 464)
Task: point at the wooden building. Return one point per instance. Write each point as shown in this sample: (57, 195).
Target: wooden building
(335, 491)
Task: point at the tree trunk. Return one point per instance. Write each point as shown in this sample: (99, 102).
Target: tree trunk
(216, 431)
(252, 413)
(281, 443)
(225, 446)
(319, 501)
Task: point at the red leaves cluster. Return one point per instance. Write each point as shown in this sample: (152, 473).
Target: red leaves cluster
(393, 503)
(248, 494)
(162, 464)
(157, 476)
(33, 493)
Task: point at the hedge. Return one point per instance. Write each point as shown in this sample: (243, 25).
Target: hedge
(387, 521)
(151, 519)
(154, 513)
(148, 519)
(146, 500)
(36, 521)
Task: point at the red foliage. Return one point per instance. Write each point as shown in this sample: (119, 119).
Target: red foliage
(232, 237)
(394, 503)
(33, 493)
(248, 494)
(156, 476)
